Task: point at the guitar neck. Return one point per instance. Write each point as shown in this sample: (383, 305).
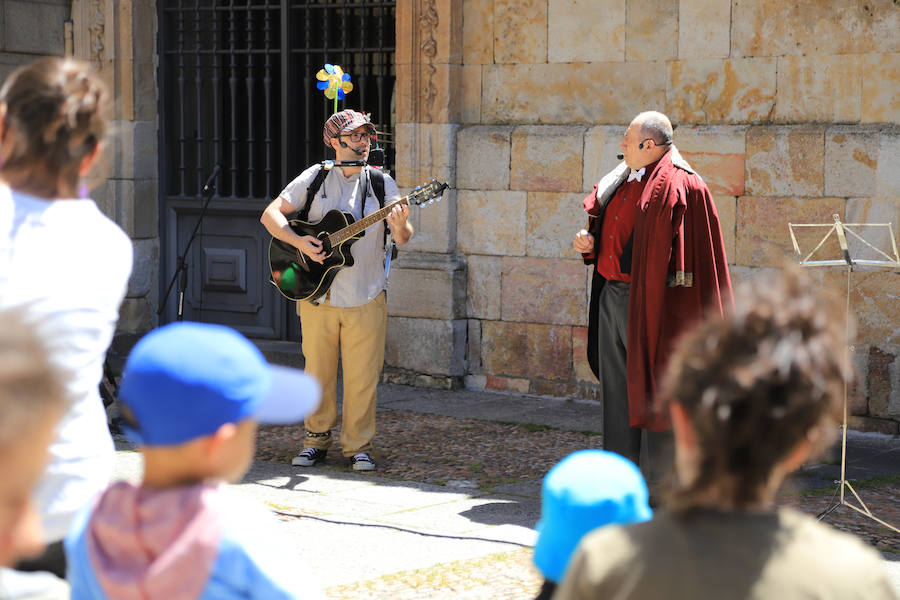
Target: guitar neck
(342, 235)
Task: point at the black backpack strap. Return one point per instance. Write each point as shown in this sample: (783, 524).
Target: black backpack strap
(312, 189)
(376, 177)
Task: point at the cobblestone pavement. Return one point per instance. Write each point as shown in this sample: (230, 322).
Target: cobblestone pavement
(446, 450)
(436, 449)
(508, 576)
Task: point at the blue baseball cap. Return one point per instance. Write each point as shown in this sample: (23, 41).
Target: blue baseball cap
(185, 380)
(585, 490)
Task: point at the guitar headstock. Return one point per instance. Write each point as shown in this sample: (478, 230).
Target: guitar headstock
(427, 192)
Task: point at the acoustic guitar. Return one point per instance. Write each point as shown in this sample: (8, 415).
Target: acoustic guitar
(298, 277)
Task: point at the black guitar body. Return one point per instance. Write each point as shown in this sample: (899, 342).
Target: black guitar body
(298, 277)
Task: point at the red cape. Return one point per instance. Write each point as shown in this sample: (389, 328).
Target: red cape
(679, 270)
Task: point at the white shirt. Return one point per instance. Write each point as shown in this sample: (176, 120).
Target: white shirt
(67, 265)
(361, 283)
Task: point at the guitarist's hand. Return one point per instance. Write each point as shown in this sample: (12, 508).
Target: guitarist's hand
(398, 220)
(584, 242)
(312, 248)
(398, 216)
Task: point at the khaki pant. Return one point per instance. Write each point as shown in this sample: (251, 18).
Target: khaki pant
(358, 335)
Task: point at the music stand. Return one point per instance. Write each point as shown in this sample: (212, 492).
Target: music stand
(840, 230)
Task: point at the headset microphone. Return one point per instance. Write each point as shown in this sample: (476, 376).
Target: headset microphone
(620, 156)
(355, 151)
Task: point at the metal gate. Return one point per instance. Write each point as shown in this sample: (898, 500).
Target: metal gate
(238, 88)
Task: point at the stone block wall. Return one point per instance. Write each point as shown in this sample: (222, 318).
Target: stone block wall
(789, 111)
(119, 38)
(29, 30)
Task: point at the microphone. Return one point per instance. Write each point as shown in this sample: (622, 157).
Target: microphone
(620, 156)
(212, 178)
(355, 151)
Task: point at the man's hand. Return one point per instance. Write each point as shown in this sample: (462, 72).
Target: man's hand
(274, 219)
(312, 248)
(584, 242)
(398, 216)
(398, 219)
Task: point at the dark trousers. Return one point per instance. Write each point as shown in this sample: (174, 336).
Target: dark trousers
(53, 559)
(548, 588)
(650, 450)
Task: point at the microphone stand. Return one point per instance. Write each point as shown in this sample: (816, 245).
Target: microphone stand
(181, 270)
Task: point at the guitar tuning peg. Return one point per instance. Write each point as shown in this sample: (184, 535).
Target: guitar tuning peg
(431, 201)
(418, 187)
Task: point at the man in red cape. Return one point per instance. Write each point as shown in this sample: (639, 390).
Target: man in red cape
(659, 261)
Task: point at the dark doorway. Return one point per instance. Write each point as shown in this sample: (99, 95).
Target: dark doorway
(238, 88)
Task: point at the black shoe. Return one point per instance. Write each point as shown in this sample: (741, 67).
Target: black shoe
(308, 457)
(362, 462)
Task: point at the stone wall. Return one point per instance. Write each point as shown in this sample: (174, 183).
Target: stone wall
(119, 38)
(789, 111)
(29, 30)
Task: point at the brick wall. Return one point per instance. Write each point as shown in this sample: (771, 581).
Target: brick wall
(789, 111)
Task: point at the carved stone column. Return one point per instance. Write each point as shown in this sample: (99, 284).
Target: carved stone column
(429, 71)
(426, 301)
(102, 36)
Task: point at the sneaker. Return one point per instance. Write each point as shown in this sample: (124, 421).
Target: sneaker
(308, 457)
(362, 462)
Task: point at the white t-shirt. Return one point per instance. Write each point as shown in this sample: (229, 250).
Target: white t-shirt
(359, 284)
(67, 265)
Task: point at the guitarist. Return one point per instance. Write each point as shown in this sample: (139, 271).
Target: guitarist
(352, 317)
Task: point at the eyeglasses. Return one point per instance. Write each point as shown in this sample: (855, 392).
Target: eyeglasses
(357, 136)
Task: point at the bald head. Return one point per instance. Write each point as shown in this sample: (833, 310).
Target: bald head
(647, 138)
(655, 126)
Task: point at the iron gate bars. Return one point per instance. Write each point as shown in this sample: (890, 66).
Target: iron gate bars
(238, 87)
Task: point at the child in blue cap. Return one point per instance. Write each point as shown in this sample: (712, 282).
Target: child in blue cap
(193, 394)
(585, 490)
